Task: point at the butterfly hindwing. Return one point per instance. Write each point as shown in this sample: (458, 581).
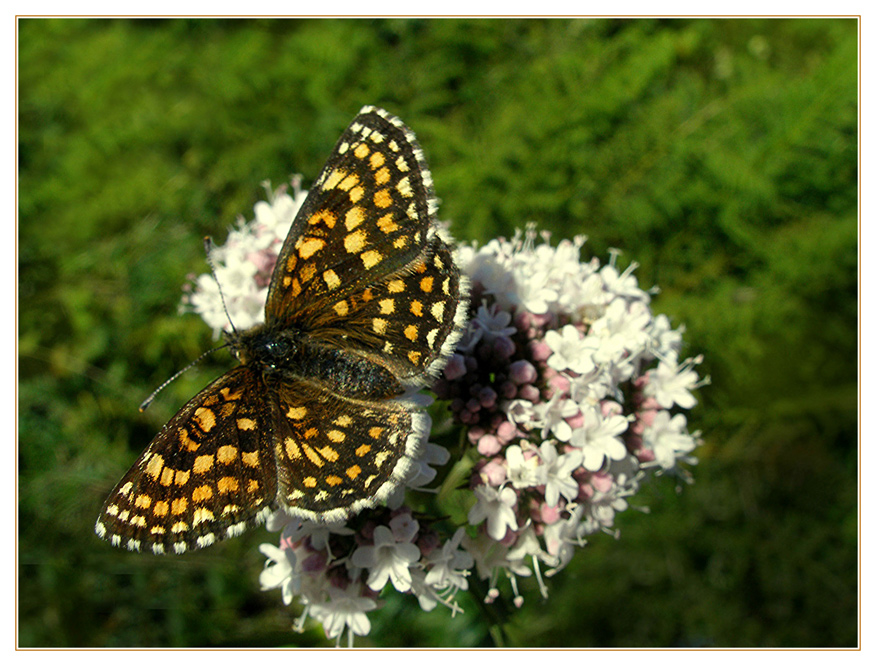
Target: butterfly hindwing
(208, 473)
(336, 456)
(409, 321)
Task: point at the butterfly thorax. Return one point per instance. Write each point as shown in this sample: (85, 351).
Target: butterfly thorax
(287, 355)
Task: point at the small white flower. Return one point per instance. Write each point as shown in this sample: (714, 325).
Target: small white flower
(276, 217)
(671, 383)
(523, 472)
(558, 473)
(571, 350)
(426, 595)
(343, 609)
(561, 538)
(487, 269)
(449, 566)
(667, 437)
(493, 322)
(552, 416)
(526, 545)
(599, 438)
(584, 296)
(494, 505)
(387, 559)
(623, 284)
(206, 302)
(320, 533)
(422, 474)
(404, 527)
(564, 262)
(520, 412)
(490, 556)
(294, 529)
(280, 571)
(604, 505)
(663, 339)
(620, 329)
(591, 389)
(535, 293)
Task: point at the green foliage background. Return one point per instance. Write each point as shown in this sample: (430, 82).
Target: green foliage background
(719, 154)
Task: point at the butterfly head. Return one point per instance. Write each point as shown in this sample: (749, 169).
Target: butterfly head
(262, 347)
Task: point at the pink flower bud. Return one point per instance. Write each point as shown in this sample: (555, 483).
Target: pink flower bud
(645, 455)
(610, 408)
(523, 320)
(529, 392)
(428, 541)
(509, 538)
(576, 421)
(650, 403)
(522, 372)
(542, 320)
(549, 514)
(634, 443)
(646, 416)
(487, 397)
(503, 348)
(602, 482)
(493, 473)
(560, 383)
(539, 350)
(339, 578)
(489, 445)
(314, 563)
(455, 367)
(585, 492)
(506, 431)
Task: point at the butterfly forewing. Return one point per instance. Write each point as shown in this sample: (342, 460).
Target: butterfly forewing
(208, 473)
(367, 216)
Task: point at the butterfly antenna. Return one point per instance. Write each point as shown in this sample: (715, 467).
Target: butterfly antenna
(208, 248)
(148, 401)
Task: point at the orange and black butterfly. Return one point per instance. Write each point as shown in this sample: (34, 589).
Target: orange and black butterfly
(321, 417)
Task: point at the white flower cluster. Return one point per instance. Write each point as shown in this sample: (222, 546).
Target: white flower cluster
(585, 377)
(243, 265)
(336, 572)
(567, 386)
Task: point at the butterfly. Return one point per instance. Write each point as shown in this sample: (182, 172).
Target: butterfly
(321, 418)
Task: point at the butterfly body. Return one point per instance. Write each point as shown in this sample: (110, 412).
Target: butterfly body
(322, 418)
(291, 356)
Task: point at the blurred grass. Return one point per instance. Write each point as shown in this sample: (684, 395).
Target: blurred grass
(721, 155)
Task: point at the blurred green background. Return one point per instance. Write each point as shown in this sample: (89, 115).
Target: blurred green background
(721, 155)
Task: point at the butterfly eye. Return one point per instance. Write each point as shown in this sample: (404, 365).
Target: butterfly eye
(275, 350)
